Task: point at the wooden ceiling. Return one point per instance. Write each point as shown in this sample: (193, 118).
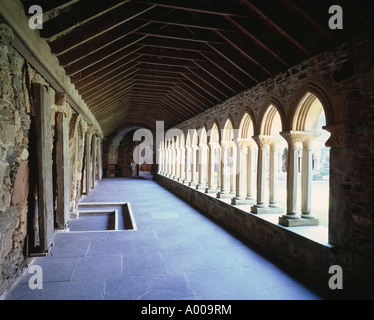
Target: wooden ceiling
(136, 62)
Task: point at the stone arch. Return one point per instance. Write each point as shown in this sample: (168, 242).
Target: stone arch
(228, 130)
(272, 107)
(315, 89)
(246, 126)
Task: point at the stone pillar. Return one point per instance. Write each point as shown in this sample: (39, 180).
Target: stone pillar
(182, 163)
(202, 166)
(163, 161)
(210, 168)
(174, 168)
(193, 181)
(177, 163)
(273, 170)
(291, 218)
(224, 192)
(62, 165)
(187, 177)
(262, 142)
(159, 161)
(306, 175)
(249, 173)
(338, 219)
(169, 165)
(219, 167)
(239, 198)
(232, 169)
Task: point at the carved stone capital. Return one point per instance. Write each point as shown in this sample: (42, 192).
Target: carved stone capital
(262, 141)
(338, 135)
(293, 137)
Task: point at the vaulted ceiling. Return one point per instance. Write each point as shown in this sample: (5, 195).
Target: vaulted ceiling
(136, 62)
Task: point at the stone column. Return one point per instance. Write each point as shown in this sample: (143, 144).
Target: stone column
(262, 142)
(224, 192)
(182, 164)
(170, 163)
(202, 166)
(163, 172)
(239, 198)
(273, 170)
(193, 181)
(249, 173)
(159, 161)
(232, 169)
(210, 167)
(306, 175)
(291, 218)
(187, 177)
(292, 138)
(176, 164)
(219, 167)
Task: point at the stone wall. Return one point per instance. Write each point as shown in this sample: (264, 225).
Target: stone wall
(14, 171)
(16, 157)
(342, 80)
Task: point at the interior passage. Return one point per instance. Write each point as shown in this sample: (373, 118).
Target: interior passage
(175, 253)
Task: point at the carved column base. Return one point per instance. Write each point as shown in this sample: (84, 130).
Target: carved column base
(298, 222)
(223, 195)
(241, 201)
(201, 186)
(263, 210)
(210, 190)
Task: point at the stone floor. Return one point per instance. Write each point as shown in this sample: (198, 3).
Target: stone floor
(176, 253)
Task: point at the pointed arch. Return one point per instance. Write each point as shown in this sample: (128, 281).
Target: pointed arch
(228, 130)
(309, 91)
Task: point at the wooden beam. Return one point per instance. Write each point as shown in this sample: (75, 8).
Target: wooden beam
(174, 44)
(81, 12)
(185, 19)
(44, 164)
(103, 85)
(219, 8)
(85, 68)
(167, 62)
(171, 53)
(103, 46)
(180, 33)
(245, 53)
(62, 170)
(111, 20)
(100, 76)
(276, 27)
(257, 41)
